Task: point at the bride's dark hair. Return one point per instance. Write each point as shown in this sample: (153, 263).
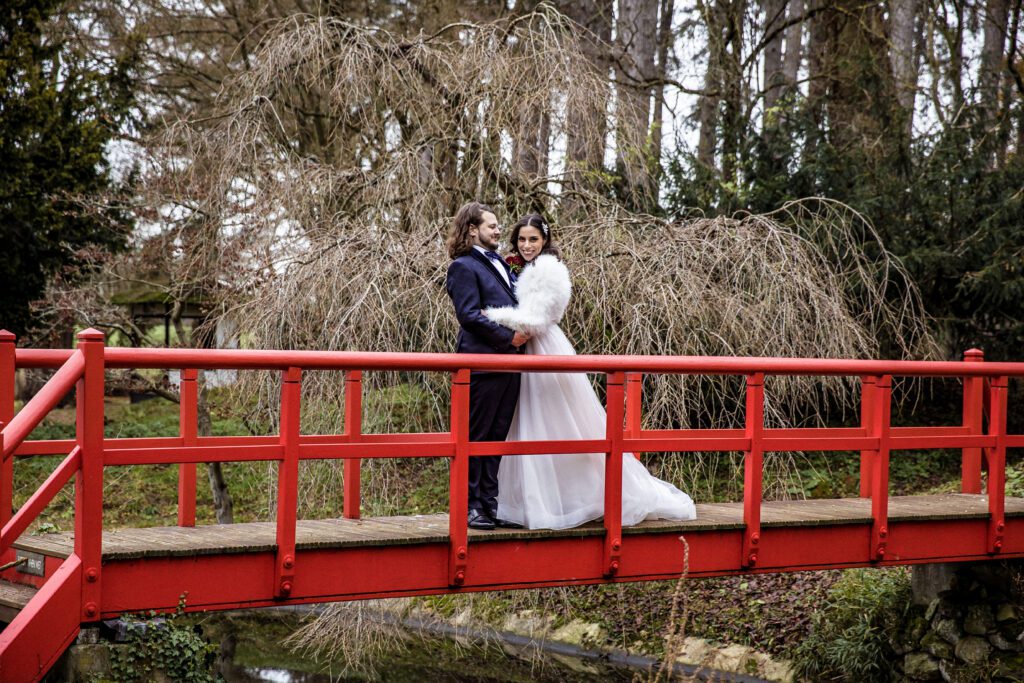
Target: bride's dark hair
(534, 220)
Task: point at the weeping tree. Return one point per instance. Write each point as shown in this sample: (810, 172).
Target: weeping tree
(339, 244)
(310, 208)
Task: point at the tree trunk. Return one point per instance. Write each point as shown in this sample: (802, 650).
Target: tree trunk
(902, 53)
(853, 82)
(990, 70)
(817, 47)
(707, 106)
(990, 77)
(637, 41)
(1014, 64)
(222, 504)
(955, 43)
(794, 40)
(530, 147)
(202, 337)
(586, 128)
(732, 90)
(665, 38)
(774, 78)
(707, 117)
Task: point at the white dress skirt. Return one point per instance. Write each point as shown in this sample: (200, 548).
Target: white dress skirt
(559, 491)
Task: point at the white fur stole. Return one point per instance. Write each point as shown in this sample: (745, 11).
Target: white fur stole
(543, 290)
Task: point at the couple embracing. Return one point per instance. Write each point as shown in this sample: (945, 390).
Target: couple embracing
(502, 312)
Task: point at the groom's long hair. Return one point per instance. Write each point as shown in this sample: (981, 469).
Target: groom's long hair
(459, 241)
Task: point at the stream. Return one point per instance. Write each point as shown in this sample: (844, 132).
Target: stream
(251, 649)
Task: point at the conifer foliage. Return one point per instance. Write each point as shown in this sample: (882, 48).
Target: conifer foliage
(57, 114)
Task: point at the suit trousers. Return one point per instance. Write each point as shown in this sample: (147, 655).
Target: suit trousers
(492, 404)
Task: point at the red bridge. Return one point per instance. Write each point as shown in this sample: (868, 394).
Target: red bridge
(91, 574)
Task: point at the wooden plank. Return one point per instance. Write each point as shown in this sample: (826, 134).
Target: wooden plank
(15, 595)
(60, 545)
(252, 537)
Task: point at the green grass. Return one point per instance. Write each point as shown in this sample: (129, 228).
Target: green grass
(141, 495)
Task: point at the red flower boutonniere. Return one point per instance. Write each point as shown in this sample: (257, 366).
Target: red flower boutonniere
(516, 263)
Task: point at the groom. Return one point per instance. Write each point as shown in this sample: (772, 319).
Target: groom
(478, 278)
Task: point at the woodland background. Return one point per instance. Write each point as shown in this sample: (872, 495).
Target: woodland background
(910, 111)
(797, 178)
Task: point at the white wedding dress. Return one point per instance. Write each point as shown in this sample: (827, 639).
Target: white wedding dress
(558, 491)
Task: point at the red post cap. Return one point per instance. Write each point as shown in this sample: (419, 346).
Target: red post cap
(6, 336)
(90, 335)
(974, 355)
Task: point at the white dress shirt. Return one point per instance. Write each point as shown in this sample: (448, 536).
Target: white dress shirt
(497, 266)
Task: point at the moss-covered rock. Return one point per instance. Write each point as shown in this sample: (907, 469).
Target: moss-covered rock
(920, 666)
(979, 620)
(936, 646)
(972, 649)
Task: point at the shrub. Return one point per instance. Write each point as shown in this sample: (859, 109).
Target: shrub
(850, 637)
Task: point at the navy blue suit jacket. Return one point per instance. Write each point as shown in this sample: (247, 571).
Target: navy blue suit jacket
(474, 284)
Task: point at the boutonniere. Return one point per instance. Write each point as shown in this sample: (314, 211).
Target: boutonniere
(516, 263)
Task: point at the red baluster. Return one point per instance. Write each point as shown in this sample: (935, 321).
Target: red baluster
(89, 481)
(288, 483)
(458, 486)
(753, 468)
(613, 474)
(995, 458)
(974, 398)
(634, 405)
(8, 371)
(353, 430)
(188, 429)
(880, 470)
(867, 406)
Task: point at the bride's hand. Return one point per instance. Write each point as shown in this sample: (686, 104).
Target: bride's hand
(520, 338)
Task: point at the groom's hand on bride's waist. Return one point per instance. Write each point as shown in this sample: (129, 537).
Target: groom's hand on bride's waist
(520, 338)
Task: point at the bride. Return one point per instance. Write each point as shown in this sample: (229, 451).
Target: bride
(563, 490)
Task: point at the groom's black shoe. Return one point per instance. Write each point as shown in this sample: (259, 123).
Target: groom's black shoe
(504, 523)
(478, 520)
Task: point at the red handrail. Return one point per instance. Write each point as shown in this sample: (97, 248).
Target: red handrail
(29, 417)
(209, 359)
(40, 499)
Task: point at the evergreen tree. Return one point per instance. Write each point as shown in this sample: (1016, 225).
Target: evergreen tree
(57, 114)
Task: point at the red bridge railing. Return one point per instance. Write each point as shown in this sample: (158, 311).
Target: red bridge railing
(980, 439)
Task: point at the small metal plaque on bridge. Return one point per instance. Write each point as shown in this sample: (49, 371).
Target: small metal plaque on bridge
(34, 565)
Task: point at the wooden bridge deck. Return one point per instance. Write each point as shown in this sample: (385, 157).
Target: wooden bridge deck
(258, 537)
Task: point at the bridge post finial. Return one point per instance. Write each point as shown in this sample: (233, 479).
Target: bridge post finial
(974, 355)
(7, 336)
(91, 334)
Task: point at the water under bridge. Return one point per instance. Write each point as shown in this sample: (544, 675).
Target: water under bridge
(60, 581)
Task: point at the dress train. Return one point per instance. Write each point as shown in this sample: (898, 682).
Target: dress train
(558, 491)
